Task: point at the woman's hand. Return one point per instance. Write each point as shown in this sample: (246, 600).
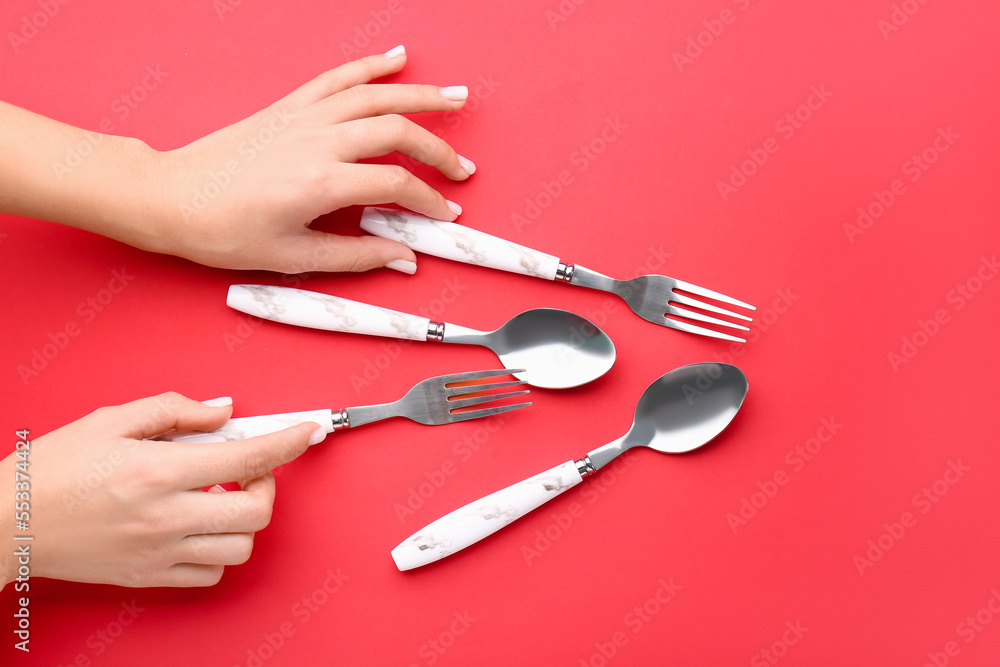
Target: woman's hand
(109, 507)
(243, 197)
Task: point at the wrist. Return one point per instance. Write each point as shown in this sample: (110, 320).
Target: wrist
(111, 191)
(128, 190)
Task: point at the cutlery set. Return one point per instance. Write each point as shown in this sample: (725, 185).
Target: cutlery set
(543, 347)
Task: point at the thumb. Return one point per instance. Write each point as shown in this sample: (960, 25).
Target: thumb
(321, 251)
(151, 416)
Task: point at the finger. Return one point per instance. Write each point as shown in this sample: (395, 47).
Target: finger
(368, 100)
(244, 511)
(371, 184)
(224, 549)
(151, 416)
(343, 77)
(218, 462)
(187, 575)
(373, 137)
(321, 251)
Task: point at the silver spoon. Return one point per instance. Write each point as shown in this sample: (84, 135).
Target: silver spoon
(681, 411)
(559, 349)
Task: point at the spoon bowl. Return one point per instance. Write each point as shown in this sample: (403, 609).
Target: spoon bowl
(558, 348)
(681, 411)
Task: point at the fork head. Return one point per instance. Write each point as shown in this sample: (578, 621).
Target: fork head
(657, 299)
(444, 399)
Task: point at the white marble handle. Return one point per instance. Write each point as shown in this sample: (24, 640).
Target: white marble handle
(322, 311)
(467, 525)
(242, 428)
(457, 242)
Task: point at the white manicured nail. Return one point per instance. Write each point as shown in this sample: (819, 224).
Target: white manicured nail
(220, 402)
(455, 208)
(395, 52)
(216, 489)
(403, 265)
(468, 165)
(455, 93)
(317, 436)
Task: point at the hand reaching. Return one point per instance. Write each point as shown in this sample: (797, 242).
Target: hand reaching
(243, 197)
(110, 507)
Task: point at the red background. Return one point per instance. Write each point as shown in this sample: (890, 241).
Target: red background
(546, 78)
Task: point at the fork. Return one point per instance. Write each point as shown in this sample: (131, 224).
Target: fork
(653, 298)
(434, 401)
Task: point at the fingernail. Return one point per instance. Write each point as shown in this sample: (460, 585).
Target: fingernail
(467, 164)
(395, 52)
(455, 208)
(216, 489)
(403, 265)
(220, 402)
(317, 436)
(455, 93)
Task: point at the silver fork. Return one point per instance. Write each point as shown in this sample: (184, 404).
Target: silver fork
(434, 401)
(653, 298)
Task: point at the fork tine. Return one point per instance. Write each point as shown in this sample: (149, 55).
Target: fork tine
(691, 315)
(701, 291)
(691, 328)
(470, 388)
(688, 301)
(476, 375)
(485, 412)
(459, 403)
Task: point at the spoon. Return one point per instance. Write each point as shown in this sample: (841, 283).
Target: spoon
(559, 349)
(681, 411)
